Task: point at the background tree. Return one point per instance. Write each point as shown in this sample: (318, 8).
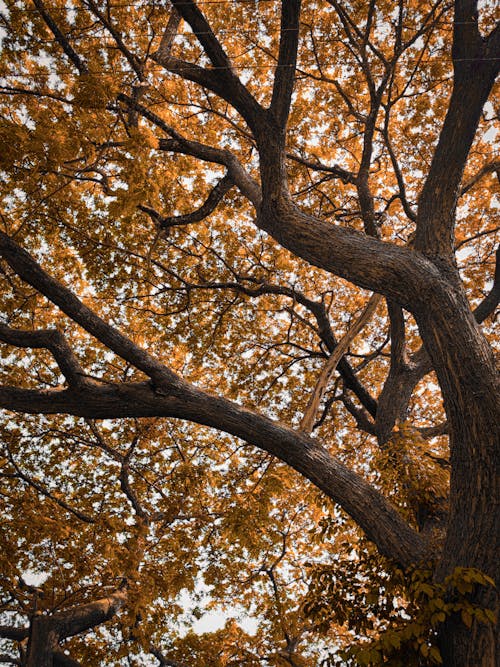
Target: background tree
(240, 254)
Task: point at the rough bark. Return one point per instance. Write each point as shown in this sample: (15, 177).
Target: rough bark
(46, 631)
(465, 367)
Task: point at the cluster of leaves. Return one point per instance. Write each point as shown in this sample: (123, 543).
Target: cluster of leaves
(397, 613)
(412, 474)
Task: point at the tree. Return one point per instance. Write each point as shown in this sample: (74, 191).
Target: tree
(203, 206)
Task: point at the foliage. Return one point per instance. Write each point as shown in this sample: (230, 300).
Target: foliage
(170, 299)
(398, 613)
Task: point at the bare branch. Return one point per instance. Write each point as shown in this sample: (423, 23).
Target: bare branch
(168, 37)
(476, 64)
(16, 634)
(245, 183)
(132, 59)
(32, 273)
(164, 661)
(376, 516)
(489, 168)
(337, 171)
(222, 79)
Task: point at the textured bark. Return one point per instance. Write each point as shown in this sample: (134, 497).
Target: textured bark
(466, 371)
(47, 631)
(43, 641)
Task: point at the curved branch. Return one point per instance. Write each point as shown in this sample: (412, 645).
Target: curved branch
(52, 340)
(246, 184)
(32, 273)
(210, 204)
(324, 330)
(367, 506)
(489, 168)
(11, 632)
(222, 79)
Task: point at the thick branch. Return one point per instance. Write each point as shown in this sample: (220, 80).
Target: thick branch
(287, 60)
(476, 64)
(401, 380)
(373, 513)
(222, 79)
(169, 35)
(48, 630)
(394, 271)
(74, 621)
(32, 273)
(16, 634)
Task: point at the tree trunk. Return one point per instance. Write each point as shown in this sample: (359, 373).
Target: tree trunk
(44, 638)
(465, 367)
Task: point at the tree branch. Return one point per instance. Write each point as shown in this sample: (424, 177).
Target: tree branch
(79, 619)
(61, 38)
(287, 60)
(52, 340)
(214, 198)
(476, 64)
(16, 634)
(491, 301)
(329, 368)
(222, 79)
(32, 273)
(489, 168)
(373, 513)
(44, 492)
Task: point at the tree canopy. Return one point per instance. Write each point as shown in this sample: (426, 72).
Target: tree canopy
(248, 281)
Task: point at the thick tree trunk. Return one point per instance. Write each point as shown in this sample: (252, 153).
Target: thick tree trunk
(465, 367)
(44, 639)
